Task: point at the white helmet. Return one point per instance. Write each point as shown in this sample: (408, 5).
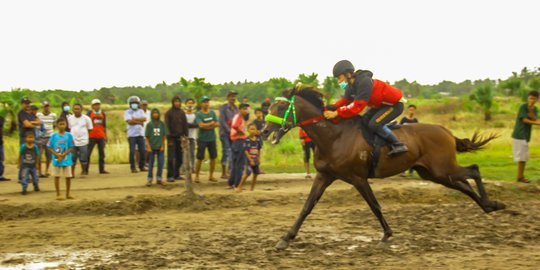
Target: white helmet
(134, 99)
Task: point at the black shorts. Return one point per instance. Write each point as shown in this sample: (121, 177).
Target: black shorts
(202, 146)
(254, 169)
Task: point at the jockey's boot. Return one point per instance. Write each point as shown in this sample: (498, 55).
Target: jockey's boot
(397, 146)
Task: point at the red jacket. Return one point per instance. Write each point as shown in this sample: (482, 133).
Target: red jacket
(366, 92)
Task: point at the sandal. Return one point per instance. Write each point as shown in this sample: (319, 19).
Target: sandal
(524, 180)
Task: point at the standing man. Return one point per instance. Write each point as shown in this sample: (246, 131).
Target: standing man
(527, 116)
(192, 132)
(2, 119)
(135, 118)
(27, 121)
(49, 121)
(238, 136)
(80, 126)
(208, 122)
(144, 107)
(226, 113)
(176, 122)
(98, 135)
(265, 106)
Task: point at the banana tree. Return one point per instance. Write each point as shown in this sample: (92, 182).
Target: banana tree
(197, 87)
(310, 80)
(483, 95)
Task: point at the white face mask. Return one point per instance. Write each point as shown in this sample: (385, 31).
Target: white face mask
(134, 106)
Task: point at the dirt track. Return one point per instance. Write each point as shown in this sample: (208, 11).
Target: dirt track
(116, 222)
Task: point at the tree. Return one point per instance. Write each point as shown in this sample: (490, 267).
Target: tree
(277, 85)
(310, 80)
(483, 95)
(197, 87)
(330, 88)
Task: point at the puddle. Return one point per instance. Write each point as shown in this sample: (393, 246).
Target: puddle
(63, 259)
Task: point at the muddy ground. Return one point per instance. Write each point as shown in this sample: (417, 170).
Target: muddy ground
(116, 222)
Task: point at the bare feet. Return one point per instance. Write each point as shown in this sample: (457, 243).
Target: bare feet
(70, 197)
(308, 176)
(197, 180)
(224, 176)
(238, 190)
(59, 198)
(212, 179)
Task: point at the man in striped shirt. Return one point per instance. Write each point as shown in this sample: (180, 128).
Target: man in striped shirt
(49, 121)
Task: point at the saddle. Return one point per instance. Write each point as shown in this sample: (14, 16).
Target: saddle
(374, 140)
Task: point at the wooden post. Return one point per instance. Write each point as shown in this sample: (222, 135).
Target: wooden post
(186, 165)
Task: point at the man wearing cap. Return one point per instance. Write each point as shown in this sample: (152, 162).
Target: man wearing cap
(226, 113)
(98, 135)
(207, 121)
(27, 121)
(49, 121)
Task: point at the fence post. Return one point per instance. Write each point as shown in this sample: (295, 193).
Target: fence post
(186, 165)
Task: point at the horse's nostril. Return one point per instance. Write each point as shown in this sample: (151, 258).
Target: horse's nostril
(265, 131)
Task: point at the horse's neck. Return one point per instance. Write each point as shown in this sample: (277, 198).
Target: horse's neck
(323, 134)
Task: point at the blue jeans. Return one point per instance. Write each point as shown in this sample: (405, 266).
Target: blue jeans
(160, 162)
(139, 141)
(238, 163)
(226, 156)
(25, 175)
(1, 160)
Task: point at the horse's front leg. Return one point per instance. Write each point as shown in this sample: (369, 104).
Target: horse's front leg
(321, 182)
(362, 185)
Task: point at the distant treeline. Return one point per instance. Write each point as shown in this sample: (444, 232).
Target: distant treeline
(518, 84)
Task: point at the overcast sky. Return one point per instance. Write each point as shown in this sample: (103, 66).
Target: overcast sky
(91, 44)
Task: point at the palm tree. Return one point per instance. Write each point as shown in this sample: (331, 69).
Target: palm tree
(483, 95)
(197, 87)
(310, 80)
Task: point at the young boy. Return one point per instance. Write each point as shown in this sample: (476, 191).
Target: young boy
(60, 145)
(238, 136)
(527, 116)
(259, 119)
(252, 150)
(409, 118)
(155, 133)
(28, 160)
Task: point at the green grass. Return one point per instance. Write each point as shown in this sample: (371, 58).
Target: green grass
(495, 161)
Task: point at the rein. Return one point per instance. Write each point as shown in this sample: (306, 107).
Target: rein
(282, 120)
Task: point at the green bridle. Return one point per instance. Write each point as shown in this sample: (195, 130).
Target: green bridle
(283, 121)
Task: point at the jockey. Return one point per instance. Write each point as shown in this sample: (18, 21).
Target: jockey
(362, 90)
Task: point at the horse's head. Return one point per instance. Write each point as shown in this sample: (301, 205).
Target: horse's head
(286, 111)
(275, 120)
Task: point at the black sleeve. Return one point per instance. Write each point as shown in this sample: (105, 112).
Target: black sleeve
(192, 125)
(402, 121)
(363, 85)
(184, 124)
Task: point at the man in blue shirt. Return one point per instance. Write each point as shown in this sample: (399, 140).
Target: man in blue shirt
(226, 113)
(135, 118)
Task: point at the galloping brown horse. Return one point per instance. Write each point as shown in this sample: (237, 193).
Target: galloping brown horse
(343, 153)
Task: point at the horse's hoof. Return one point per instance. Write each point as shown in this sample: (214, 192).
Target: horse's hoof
(495, 206)
(282, 245)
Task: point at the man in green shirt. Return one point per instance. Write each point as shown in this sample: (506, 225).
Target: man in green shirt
(527, 116)
(156, 132)
(207, 121)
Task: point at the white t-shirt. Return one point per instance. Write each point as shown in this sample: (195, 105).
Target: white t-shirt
(79, 128)
(49, 121)
(192, 132)
(148, 117)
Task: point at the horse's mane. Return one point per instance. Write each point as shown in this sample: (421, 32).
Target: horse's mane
(309, 93)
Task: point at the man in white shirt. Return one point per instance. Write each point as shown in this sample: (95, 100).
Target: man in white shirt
(192, 130)
(79, 125)
(49, 121)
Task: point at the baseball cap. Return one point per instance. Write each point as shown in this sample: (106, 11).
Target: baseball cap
(96, 101)
(25, 100)
(33, 108)
(232, 92)
(45, 103)
(144, 101)
(205, 98)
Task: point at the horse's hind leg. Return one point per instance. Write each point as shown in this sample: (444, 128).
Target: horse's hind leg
(362, 185)
(475, 174)
(318, 187)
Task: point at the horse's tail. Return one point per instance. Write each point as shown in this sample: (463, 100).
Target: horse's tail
(476, 143)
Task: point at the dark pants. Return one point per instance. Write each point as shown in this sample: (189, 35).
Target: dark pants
(139, 142)
(379, 117)
(101, 149)
(160, 162)
(308, 147)
(26, 173)
(238, 162)
(1, 160)
(174, 158)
